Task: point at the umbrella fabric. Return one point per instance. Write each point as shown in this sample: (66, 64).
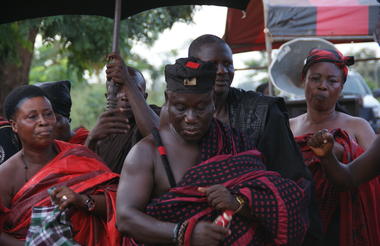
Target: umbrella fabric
(20, 9)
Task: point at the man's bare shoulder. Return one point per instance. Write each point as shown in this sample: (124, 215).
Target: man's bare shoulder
(146, 143)
(142, 155)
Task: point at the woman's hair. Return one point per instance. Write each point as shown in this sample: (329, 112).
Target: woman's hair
(19, 94)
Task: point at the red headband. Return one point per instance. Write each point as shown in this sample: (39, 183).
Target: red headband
(333, 56)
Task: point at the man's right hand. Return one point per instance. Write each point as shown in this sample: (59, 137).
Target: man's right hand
(117, 70)
(208, 234)
(113, 121)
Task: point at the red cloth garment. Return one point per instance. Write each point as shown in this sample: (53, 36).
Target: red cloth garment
(79, 169)
(278, 205)
(80, 136)
(359, 208)
(3, 212)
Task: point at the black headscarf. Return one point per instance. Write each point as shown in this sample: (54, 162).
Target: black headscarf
(59, 95)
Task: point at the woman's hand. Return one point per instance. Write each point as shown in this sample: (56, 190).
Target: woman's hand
(65, 197)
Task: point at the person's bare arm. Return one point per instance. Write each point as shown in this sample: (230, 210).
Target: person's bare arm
(6, 175)
(7, 240)
(79, 201)
(366, 166)
(360, 170)
(133, 194)
(6, 185)
(146, 119)
(109, 122)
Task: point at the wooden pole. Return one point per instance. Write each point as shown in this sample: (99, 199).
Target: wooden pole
(111, 88)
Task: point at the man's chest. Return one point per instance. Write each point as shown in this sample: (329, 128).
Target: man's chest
(179, 162)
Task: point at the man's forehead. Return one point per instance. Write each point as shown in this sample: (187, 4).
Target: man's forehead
(214, 46)
(33, 104)
(214, 51)
(190, 98)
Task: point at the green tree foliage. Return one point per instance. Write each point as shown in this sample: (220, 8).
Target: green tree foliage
(88, 103)
(75, 44)
(255, 77)
(370, 70)
(259, 60)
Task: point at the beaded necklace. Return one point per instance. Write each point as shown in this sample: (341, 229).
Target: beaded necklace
(25, 167)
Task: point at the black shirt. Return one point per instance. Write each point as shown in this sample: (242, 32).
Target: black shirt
(265, 120)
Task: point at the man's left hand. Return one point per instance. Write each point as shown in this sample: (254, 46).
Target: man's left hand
(219, 197)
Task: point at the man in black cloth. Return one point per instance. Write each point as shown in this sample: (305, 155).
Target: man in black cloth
(117, 130)
(264, 119)
(176, 182)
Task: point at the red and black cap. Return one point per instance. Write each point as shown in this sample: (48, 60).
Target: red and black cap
(190, 75)
(327, 55)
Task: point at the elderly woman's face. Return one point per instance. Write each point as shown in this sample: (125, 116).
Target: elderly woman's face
(34, 121)
(323, 85)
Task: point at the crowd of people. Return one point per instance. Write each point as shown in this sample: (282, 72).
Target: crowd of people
(214, 165)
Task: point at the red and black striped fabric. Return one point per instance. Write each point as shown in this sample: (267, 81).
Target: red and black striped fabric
(358, 209)
(301, 18)
(332, 56)
(82, 171)
(277, 205)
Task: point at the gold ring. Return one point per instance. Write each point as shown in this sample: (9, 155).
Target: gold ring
(64, 198)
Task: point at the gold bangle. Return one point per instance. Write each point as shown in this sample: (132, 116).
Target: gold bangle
(241, 201)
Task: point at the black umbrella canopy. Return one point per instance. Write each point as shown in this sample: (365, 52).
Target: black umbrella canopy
(15, 10)
(20, 9)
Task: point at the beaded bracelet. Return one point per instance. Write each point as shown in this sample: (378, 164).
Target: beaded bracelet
(175, 233)
(181, 233)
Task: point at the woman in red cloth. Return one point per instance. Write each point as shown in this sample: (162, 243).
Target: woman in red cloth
(348, 217)
(82, 183)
